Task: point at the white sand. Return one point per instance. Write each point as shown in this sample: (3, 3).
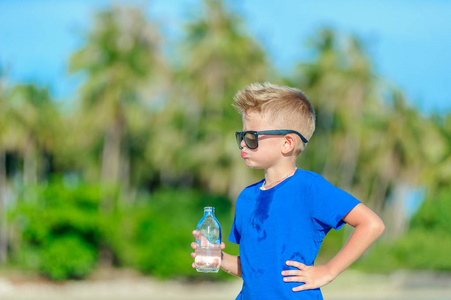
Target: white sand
(123, 284)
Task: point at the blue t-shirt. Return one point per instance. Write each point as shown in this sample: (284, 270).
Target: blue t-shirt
(286, 222)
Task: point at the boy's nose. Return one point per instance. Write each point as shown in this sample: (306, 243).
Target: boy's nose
(242, 144)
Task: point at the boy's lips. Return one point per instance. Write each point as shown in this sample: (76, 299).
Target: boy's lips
(243, 154)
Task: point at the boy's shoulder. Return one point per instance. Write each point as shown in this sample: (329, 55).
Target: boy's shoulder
(307, 177)
(313, 180)
(308, 174)
(254, 185)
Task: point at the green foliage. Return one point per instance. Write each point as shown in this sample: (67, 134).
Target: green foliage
(68, 257)
(435, 214)
(59, 228)
(332, 243)
(426, 246)
(419, 249)
(155, 235)
(62, 230)
(424, 250)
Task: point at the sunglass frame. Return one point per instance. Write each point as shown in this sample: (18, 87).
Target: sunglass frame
(241, 135)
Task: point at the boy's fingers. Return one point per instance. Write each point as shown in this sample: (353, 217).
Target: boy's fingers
(193, 254)
(296, 264)
(301, 288)
(222, 246)
(194, 245)
(195, 233)
(291, 273)
(295, 279)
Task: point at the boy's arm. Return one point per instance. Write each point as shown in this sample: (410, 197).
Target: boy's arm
(368, 227)
(231, 264)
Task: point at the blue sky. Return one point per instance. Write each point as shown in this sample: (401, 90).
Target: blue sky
(408, 40)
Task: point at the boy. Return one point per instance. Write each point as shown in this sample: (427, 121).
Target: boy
(280, 222)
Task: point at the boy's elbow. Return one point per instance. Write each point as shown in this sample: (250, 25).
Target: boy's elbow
(378, 227)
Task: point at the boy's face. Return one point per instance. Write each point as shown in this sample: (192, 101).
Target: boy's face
(269, 148)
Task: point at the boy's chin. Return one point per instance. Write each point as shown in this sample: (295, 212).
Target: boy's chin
(252, 165)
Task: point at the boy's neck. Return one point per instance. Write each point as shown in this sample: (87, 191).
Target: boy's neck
(274, 176)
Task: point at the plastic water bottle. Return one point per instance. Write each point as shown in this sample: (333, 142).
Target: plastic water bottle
(208, 251)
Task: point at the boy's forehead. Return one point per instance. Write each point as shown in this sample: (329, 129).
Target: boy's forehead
(256, 119)
(252, 117)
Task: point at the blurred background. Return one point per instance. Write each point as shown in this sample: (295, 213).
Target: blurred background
(116, 129)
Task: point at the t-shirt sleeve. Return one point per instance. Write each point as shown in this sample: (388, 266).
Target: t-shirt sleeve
(235, 235)
(329, 204)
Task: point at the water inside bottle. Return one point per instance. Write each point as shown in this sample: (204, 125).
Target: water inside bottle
(208, 260)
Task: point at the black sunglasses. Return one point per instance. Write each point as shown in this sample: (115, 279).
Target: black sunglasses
(251, 137)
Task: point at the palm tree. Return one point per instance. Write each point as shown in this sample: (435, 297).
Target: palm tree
(3, 211)
(124, 73)
(218, 58)
(367, 138)
(436, 145)
(395, 157)
(359, 93)
(32, 117)
(341, 84)
(322, 80)
(27, 119)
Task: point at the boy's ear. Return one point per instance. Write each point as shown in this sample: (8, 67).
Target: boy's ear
(289, 144)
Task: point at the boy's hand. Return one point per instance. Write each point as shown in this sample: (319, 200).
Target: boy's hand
(313, 276)
(194, 245)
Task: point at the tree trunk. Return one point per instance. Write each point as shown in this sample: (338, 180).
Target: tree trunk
(353, 136)
(325, 116)
(112, 155)
(3, 212)
(30, 163)
(349, 162)
(379, 194)
(124, 173)
(111, 162)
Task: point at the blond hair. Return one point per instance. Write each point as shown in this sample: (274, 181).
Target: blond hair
(286, 107)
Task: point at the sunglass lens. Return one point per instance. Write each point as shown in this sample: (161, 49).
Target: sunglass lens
(251, 140)
(239, 138)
